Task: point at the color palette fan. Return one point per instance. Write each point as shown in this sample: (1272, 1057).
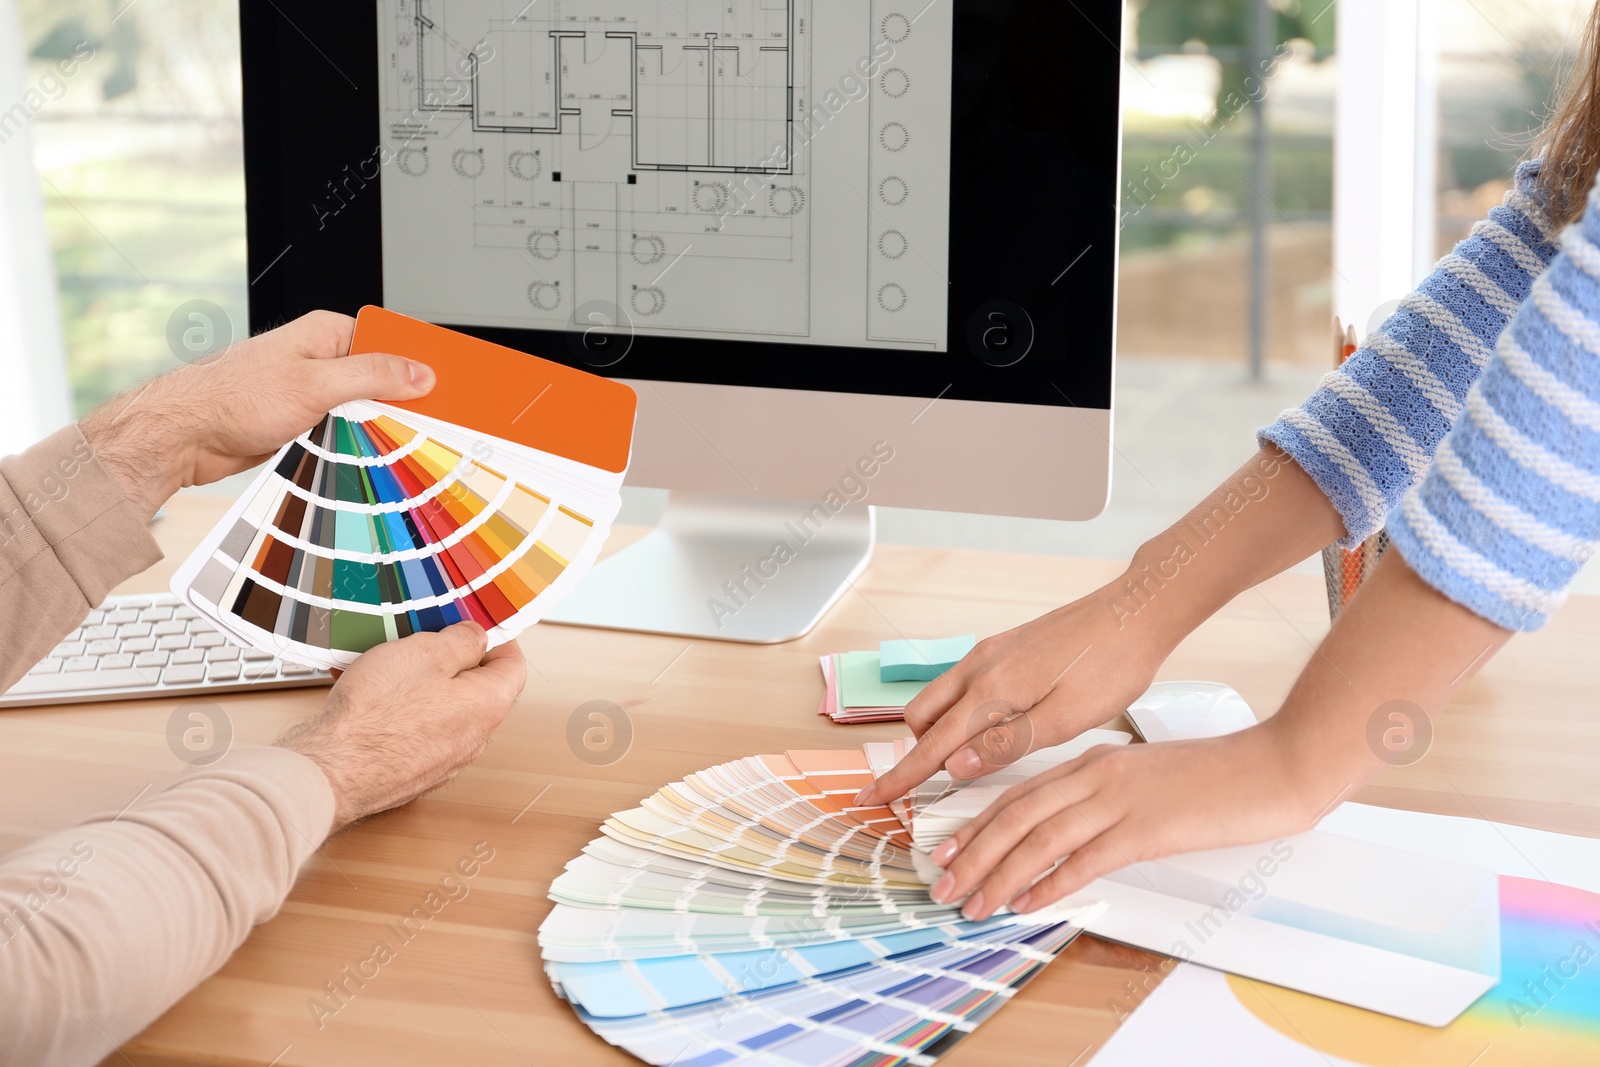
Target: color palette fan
(486, 500)
(749, 914)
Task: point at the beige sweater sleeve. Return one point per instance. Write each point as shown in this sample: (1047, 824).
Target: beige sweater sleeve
(106, 925)
(67, 536)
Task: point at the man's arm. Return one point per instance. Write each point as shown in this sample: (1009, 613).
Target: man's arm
(104, 926)
(73, 509)
(68, 534)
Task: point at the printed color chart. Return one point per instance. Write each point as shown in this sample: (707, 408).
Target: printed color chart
(1544, 1013)
(388, 520)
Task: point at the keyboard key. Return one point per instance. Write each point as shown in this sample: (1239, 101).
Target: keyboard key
(99, 633)
(173, 643)
(42, 684)
(117, 662)
(258, 671)
(222, 654)
(210, 640)
(139, 644)
(183, 674)
(147, 660)
(134, 629)
(102, 648)
(120, 616)
(256, 655)
(184, 612)
(222, 672)
(156, 614)
(189, 655)
(51, 665)
(69, 648)
(96, 617)
(81, 663)
(134, 603)
(167, 629)
(297, 670)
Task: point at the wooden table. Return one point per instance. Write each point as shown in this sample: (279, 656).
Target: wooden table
(1522, 745)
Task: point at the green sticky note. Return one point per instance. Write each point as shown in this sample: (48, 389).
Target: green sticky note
(861, 687)
(922, 661)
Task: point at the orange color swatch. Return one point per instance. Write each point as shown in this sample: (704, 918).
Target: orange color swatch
(508, 394)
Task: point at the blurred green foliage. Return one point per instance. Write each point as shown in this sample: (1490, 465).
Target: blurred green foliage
(132, 243)
(1207, 197)
(1224, 25)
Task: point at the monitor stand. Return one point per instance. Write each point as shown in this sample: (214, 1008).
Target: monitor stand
(729, 569)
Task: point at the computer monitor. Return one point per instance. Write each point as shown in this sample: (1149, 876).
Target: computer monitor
(849, 252)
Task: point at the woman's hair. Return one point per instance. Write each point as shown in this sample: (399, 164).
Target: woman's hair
(1570, 143)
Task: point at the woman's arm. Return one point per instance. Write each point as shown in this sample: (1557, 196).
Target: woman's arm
(1329, 469)
(1086, 662)
(1486, 545)
(1398, 653)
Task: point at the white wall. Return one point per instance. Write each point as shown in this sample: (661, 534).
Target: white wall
(34, 395)
(1385, 140)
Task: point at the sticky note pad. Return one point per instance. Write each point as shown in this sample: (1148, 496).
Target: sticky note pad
(862, 686)
(921, 661)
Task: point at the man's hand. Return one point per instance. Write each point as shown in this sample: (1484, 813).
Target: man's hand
(1115, 806)
(231, 411)
(408, 716)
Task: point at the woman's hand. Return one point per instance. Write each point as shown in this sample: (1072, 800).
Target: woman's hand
(1082, 665)
(1116, 806)
(1039, 685)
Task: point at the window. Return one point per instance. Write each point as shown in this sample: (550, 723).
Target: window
(140, 163)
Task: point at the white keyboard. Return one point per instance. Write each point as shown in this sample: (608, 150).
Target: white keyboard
(150, 646)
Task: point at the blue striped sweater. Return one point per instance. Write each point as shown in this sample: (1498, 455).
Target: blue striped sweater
(1479, 443)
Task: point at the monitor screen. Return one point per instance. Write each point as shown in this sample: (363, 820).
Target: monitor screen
(846, 195)
(691, 171)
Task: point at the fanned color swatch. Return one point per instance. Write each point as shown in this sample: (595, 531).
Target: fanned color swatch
(749, 914)
(386, 520)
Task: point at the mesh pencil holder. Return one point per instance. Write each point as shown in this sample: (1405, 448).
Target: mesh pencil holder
(1345, 569)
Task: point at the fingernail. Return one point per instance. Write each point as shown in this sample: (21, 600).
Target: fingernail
(867, 796)
(964, 764)
(422, 376)
(943, 888)
(974, 906)
(945, 853)
(1020, 905)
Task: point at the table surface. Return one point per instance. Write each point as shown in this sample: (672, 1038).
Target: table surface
(1521, 744)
